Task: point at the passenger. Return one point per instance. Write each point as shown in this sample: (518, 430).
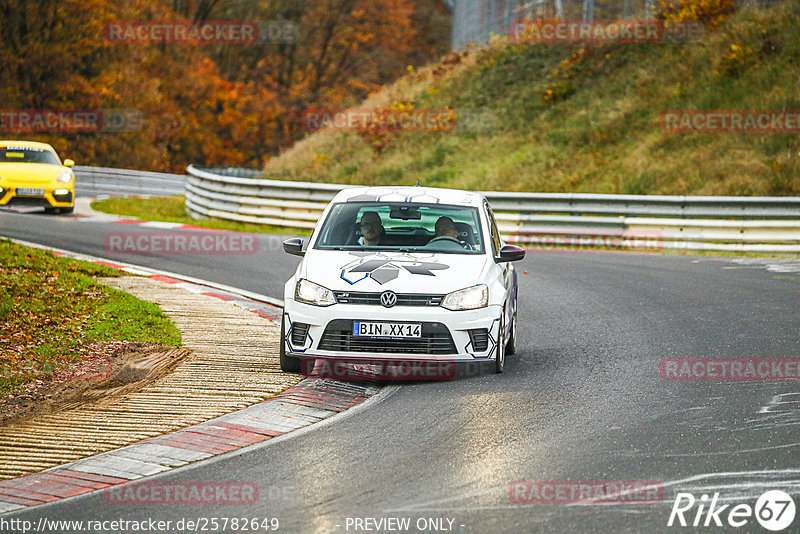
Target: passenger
(445, 227)
(372, 230)
(446, 237)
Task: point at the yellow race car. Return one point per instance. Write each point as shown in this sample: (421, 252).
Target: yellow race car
(32, 175)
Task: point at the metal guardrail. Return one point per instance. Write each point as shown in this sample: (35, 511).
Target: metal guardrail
(535, 219)
(275, 202)
(93, 181)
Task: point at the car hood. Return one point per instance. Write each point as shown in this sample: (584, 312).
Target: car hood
(396, 271)
(31, 173)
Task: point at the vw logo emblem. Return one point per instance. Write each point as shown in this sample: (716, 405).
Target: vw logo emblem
(388, 299)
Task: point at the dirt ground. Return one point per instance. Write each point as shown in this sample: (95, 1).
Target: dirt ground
(113, 369)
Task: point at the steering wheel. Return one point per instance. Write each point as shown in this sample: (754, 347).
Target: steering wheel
(446, 237)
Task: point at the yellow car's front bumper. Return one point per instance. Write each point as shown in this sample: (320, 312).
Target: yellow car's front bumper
(53, 194)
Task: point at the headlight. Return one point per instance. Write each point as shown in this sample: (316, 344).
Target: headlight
(470, 298)
(311, 293)
(65, 176)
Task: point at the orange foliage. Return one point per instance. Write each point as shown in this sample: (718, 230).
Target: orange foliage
(221, 104)
(709, 12)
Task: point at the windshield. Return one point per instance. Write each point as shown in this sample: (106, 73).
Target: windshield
(402, 226)
(26, 154)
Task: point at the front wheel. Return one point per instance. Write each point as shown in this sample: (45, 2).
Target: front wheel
(511, 344)
(500, 357)
(289, 364)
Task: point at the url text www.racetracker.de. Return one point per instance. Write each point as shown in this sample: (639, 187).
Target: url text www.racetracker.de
(197, 524)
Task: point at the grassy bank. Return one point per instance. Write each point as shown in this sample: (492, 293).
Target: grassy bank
(52, 308)
(585, 118)
(173, 209)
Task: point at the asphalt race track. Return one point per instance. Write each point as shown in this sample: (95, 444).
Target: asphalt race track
(582, 400)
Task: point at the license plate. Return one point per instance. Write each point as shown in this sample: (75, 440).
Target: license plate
(387, 329)
(30, 192)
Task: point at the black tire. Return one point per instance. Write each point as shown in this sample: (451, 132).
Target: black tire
(500, 357)
(63, 211)
(50, 211)
(289, 364)
(511, 344)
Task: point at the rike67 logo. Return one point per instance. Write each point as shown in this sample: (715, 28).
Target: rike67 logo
(774, 510)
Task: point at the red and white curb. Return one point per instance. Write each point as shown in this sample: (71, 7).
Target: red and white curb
(309, 402)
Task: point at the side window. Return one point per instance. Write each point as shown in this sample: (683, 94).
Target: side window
(493, 228)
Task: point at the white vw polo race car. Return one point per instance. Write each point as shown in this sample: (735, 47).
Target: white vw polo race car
(410, 274)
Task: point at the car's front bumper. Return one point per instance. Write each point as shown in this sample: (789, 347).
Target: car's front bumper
(54, 194)
(435, 320)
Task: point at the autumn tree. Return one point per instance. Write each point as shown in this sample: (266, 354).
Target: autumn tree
(224, 104)
(345, 49)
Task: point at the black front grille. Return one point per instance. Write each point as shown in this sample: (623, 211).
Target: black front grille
(374, 299)
(63, 198)
(435, 339)
(299, 333)
(28, 201)
(480, 339)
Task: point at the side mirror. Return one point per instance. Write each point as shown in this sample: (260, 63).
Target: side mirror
(510, 253)
(295, 246)
(68, 163)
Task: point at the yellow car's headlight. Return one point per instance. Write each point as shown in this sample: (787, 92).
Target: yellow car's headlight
(65, 176)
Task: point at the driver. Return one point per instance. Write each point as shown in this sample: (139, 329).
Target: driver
(372, 231)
